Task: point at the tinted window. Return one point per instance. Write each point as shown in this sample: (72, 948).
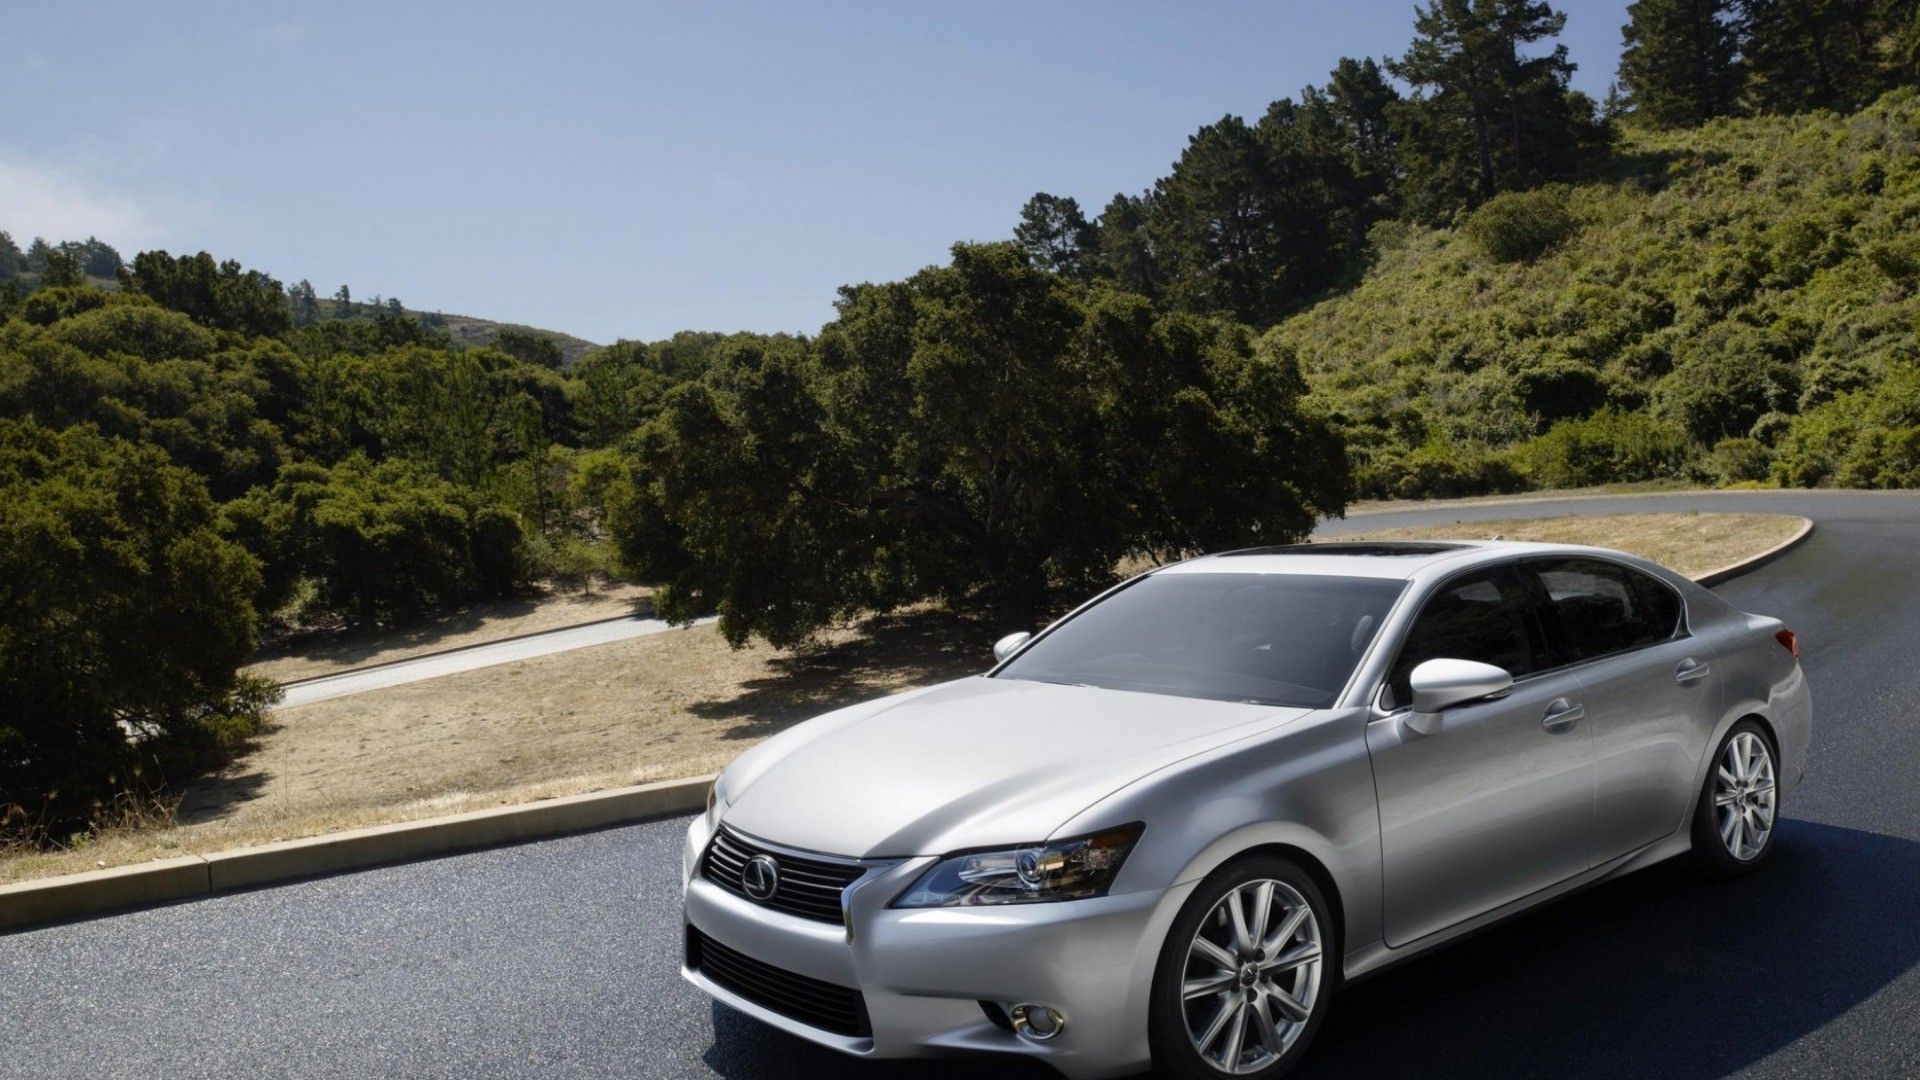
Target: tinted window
(1482, 617)
(1603, 608)
(1278, 639)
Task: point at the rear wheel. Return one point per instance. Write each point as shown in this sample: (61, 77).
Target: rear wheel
(1244, 977)
(1735, 827)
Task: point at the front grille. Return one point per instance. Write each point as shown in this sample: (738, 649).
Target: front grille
(809, 888)
(837, 1009)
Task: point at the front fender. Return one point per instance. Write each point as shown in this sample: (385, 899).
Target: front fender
(1305, 786)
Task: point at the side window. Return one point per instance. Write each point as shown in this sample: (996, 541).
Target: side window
(1603, 608)
(1482, 617)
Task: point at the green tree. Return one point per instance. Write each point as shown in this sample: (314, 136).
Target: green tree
(1362, 102)
(12, 259)
(1126, 256)
(223, 296)
(124, 618)
(1487, 118)
(1681, 65)
(384, 542)
(305, 303)
(1057, 235)
(796, 485)
(1811, 54)
(61, 269)
(530, 348)
(1255, 219)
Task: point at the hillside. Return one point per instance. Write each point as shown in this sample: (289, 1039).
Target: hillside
(465, 330)
(1735, 302)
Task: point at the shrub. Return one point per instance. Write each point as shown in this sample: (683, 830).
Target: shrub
(1521, 226)
(1608, 446)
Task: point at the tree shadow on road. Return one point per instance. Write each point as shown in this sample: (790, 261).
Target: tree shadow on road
(1658, 974)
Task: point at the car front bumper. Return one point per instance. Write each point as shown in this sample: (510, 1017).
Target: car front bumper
(924, 973)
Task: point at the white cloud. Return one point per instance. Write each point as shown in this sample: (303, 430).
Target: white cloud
(40, 199)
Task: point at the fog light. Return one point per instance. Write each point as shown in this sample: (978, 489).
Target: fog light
(1038, 1023)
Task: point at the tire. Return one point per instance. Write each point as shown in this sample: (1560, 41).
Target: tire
(1275, 997)
(1737, 824)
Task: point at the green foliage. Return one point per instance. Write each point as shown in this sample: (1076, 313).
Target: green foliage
(1608, 446)
(223, 296)
(1681, 65)
(123, 618)
(530, 348)
(984, 430)
(1487, 117)
(1057, 236)
(1521, 226)
(1729, 282)
(384, 541)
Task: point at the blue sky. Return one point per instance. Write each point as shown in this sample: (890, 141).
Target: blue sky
(628, 170)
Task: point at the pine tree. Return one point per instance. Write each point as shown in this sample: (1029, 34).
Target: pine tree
(1057, 235)
(1681, 65)
(1811, 54)
(1487, 118)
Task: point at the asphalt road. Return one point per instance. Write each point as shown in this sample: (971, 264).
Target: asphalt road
(560, 958)
(308, 691)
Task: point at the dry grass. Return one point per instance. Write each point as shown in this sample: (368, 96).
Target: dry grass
(1692, 543)
(311, 655)
(673, 704)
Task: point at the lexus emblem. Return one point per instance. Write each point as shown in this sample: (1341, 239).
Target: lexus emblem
(760, 877)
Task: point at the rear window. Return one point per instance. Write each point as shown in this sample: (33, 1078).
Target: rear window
(1603, 608)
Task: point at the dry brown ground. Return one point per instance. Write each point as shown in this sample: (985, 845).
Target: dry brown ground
(1692, 543)
(311, 655)
(674, 704)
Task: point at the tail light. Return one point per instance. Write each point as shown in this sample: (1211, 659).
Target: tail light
(1789, 642)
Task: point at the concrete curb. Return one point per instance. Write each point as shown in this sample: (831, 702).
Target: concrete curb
(70, 895)
(1755, 562)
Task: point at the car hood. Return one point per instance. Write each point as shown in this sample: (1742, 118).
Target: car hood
(968, 764)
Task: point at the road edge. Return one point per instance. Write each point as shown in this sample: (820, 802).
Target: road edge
(1754, 562)
(70, 895)
(100, 891)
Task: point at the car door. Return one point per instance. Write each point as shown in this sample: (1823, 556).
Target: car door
(1498, 802)
(1651, 692)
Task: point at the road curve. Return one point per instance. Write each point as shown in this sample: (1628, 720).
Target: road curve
(360, 680)
(560, 958)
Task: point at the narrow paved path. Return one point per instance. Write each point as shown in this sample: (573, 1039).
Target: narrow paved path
(308, 691)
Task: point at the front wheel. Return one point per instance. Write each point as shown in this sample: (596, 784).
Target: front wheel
(1736, 823)
(1244, 978)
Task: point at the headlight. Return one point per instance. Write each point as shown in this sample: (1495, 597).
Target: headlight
(716, 794)
(1034, 874)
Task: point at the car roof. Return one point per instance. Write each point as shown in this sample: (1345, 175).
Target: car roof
(1402, 559)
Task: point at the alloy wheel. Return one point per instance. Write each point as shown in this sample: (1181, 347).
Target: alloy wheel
(1252, 976)
(1743, 796)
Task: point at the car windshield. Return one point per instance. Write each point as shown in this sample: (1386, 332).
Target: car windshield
(1267, 639)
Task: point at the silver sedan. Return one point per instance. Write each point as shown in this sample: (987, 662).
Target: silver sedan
(1165, 830)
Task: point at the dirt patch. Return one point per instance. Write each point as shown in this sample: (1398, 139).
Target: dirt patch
(311, 655)
(1692, 542)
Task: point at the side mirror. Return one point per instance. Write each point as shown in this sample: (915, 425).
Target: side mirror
(1009, 645)
(1442, 684)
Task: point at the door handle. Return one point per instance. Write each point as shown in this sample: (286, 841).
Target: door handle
(1561, 713)
(1690, 670)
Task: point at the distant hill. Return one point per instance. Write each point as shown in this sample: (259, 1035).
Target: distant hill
(469, 331)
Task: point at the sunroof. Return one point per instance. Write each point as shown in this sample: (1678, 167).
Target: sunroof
(1355, 547)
